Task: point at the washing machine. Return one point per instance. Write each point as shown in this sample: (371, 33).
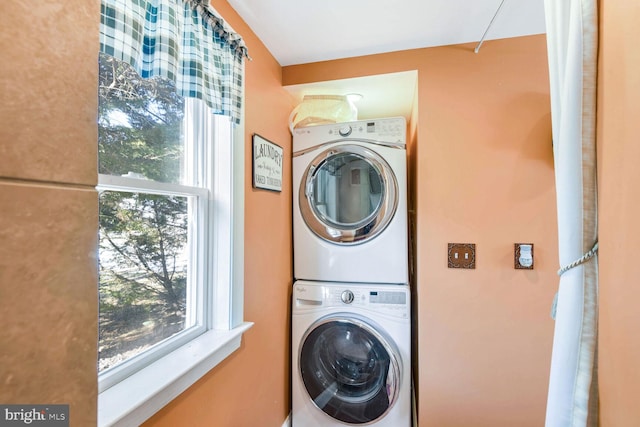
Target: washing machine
(351, 355)
(350, 202)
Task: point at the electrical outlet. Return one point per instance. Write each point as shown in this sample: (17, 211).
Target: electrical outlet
(516, 257)
(462, 255)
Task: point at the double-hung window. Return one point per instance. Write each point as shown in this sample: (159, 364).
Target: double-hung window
(170, 235)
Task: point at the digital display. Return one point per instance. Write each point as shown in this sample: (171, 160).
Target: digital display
(371, 126)
(387, 297)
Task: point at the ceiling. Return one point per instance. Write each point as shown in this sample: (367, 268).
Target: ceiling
(303, 31)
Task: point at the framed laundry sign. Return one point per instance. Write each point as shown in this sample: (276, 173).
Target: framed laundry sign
(267, 164)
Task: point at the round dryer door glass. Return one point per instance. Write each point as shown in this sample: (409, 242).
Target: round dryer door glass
(349, 370)
(348, 194)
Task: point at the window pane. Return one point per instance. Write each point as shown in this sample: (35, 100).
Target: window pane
(140, 125)
(143, 272)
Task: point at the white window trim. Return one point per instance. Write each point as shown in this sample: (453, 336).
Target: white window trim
(139, 396)
(135, 399)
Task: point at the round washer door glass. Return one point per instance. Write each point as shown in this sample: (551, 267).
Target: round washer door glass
(349, 370)
(348, 194)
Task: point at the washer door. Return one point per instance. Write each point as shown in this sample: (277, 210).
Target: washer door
(350, 370)
(348, 194)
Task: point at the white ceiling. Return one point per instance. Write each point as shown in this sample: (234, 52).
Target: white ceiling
(303, 31)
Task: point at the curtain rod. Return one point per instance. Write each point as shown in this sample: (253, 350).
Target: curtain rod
(477, 49)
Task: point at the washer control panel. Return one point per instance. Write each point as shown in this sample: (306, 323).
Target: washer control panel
(391, 300)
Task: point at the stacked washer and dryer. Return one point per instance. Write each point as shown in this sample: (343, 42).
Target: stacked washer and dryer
(351, 323)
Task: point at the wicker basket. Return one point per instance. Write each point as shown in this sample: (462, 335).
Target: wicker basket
(322, 109)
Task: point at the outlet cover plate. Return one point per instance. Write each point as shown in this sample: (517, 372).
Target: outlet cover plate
(462, 255)
(516, 257)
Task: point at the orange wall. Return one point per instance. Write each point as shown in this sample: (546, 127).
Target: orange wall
(619, 176)
(484, 175)
(251, 388)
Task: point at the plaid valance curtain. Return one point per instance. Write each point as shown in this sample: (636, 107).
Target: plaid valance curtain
(181, 40)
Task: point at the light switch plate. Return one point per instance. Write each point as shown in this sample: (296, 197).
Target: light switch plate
(462, 255)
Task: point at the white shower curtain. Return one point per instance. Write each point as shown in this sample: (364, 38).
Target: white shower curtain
(572, 42)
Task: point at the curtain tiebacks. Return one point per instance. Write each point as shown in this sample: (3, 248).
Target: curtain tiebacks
(584, 258)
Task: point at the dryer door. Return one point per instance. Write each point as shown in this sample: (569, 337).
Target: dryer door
(348, 194)
(351, 372)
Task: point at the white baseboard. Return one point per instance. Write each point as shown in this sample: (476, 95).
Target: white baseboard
(287, 422)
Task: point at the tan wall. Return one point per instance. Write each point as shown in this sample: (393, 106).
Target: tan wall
(619, 228)
(48, 205)
(251, 388)
(484, 175)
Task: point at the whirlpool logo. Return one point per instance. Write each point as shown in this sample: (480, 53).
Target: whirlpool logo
(34, 415)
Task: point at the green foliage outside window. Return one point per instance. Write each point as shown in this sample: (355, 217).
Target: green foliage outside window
(143, 237)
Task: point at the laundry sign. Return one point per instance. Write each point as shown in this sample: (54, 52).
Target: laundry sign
(267, 164)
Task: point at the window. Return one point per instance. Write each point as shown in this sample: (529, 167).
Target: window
(170, 226)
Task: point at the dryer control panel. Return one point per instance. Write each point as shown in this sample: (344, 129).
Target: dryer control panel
(383, 131)
(390, 130)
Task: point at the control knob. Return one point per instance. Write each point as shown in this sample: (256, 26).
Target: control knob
(347, 297)
(345, 130)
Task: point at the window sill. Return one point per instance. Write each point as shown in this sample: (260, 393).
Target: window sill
(138, 397)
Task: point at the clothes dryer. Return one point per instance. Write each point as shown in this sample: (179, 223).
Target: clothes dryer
(350, 202)
(351, 355)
